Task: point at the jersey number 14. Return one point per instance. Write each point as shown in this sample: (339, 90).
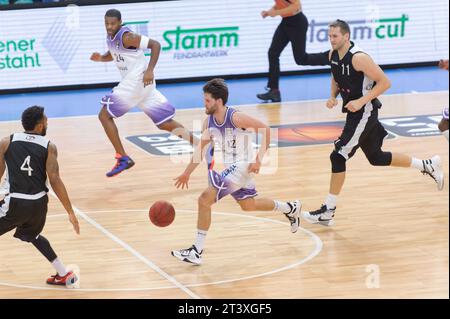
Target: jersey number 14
(26, 165)
(119, 58)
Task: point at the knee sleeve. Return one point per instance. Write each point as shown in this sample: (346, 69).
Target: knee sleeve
(42, 244)
(380, 158)
(337, 162)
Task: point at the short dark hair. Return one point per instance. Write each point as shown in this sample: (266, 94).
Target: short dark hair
(31, 117)
(113, 13)
(345, 28)
(218, 89)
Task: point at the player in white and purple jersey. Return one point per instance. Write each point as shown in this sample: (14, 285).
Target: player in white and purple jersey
(443, 125)
(136, 88)
(230, 130)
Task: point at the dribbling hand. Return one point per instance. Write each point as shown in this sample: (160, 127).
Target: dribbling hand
(182, 181)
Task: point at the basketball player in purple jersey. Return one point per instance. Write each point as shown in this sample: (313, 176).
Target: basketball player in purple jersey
(443, 125)
(231, 130)
(137, 87)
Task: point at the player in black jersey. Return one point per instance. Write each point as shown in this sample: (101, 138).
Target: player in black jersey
(360, 81)
(29, 158)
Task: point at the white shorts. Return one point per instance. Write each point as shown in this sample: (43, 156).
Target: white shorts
(130, 93)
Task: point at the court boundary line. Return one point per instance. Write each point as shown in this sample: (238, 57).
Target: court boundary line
(317, 249)
(133, 251)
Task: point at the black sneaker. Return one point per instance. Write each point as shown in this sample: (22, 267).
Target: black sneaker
(273, 96)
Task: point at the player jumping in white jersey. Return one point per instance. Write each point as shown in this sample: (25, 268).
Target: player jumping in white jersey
(137, 87)
(230, 129)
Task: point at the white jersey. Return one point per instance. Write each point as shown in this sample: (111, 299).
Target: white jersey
(236, 144)
(130, 62)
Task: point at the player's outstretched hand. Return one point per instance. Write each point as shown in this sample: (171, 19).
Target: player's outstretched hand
(182, 181)
(74, 221)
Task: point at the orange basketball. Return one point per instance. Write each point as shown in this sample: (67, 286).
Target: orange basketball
(162, 213)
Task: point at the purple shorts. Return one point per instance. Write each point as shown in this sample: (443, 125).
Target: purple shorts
(125, 96)
(232, 181)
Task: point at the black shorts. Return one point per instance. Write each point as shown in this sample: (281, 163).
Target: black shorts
(27, 216)
(362, 130)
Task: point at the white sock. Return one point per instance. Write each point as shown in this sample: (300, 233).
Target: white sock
(445, 134)
(59, 266)
(282, 207)
(331, 201)
(200, 241)
(417, 163)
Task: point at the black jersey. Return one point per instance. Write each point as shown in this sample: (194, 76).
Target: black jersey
(26, 159)
(352, 84)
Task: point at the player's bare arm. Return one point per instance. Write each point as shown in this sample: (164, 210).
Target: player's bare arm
(332, 102)
(364, 63)
(98, 57)
(137, 41)
(4, 143)
(57, 184)
(244, 121)
(197, 157)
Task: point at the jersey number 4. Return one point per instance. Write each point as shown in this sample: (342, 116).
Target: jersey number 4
(26, 165)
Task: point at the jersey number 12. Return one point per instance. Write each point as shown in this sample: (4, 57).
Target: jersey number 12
(26, 165)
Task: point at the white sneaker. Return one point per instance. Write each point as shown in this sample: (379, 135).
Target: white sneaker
(190, 255)
(73, 282)
(323, 216)
(433, 168)
(293, 215)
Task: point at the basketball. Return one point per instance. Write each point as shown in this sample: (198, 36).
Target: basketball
(162, 213)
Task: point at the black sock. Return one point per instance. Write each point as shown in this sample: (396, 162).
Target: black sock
(42, 244)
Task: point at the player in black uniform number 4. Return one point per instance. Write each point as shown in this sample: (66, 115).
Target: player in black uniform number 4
(29, 158)
(360, 81)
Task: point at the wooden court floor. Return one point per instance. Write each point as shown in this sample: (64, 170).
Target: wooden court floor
(391, 238)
